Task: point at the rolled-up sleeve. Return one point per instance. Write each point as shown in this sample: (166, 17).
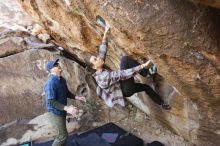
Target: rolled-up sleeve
(118, 75)
(107, 78)
(103, 49)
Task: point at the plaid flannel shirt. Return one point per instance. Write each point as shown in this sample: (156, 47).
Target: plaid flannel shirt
(109, 88)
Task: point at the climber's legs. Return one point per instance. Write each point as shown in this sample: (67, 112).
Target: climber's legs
(129, 87)
(127, 62)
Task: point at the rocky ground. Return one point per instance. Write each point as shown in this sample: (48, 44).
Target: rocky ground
(130, 118)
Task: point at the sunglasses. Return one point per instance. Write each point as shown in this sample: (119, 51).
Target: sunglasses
(56, 65)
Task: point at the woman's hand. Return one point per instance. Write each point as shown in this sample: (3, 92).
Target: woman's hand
(80, 98)
(107, 28)
(71, 110)
(148, 64)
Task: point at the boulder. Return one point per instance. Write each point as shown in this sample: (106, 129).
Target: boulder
(44, 37)
(22, 69)
(37, 29)
(23, 76)
(12, 16)
(213, 3)
(182, 38)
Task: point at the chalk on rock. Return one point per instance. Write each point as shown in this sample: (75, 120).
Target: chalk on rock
(37, 29)
(44, 37)
(68, 2)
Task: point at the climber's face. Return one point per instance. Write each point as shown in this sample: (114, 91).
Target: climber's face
(96, 62)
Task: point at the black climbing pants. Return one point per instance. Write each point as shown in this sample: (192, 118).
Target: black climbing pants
(129, 87)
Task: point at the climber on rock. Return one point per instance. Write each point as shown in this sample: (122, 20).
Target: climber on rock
(57, 92)
(113, 86)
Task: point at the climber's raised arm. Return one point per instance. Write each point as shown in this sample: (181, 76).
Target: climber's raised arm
(103, 46)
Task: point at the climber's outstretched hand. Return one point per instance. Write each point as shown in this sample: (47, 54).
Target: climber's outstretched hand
(107, 28)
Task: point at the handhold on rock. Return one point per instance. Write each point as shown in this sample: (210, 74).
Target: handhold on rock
(100, 21)
(68, 2)
(44, 37)
(38, 30)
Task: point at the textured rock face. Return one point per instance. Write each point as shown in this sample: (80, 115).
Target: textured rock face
(23, 76)
(12, 42)
(213, 3)
(12, 15)
(182, 39)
